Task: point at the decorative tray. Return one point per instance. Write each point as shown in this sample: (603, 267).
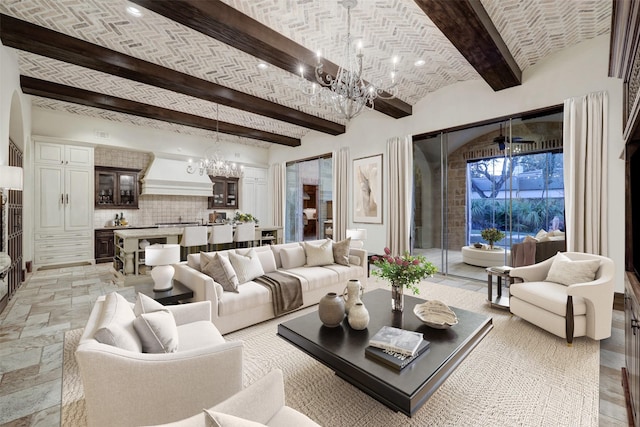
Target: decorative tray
(435, 314)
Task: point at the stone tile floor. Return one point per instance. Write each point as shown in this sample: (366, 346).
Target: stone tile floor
(52, 302)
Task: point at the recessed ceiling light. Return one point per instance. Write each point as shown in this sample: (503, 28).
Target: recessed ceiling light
(419, 62)
(134, 11)
(262, 65)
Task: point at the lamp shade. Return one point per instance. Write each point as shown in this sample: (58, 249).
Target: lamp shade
(11, 177)
(357, 233)
(162, 254)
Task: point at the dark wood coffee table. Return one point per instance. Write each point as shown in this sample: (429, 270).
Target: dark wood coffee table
(175, 295)
(342, 350)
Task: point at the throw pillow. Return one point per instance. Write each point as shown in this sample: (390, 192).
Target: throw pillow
(341, 251)
(541, 233)
(319, 254)
(157, 331)
(293, 257)
(247, 267)
(568, 272)
(219, 268)
(267, 260)
(116, 325)
(145, 304)
(218, 419)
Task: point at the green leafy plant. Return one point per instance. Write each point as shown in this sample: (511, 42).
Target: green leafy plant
(492, 235)
(406, 271)
(244, 217)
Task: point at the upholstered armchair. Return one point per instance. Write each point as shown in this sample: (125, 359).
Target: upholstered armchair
(125, 386)
(262, 402)
(569, 295)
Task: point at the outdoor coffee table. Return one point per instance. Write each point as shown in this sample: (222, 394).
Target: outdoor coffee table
(342, 350)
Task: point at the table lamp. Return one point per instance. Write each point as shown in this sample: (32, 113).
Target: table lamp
(358, 236)
(10, 179)
(161, 258)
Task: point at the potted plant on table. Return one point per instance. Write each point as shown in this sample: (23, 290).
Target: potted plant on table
(244, 217)
(492, 235)
(403, 272)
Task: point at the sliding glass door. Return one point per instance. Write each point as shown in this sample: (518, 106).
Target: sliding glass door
(308, 203)
(505, 175)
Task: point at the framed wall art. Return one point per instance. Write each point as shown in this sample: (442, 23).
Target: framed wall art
(367, 189)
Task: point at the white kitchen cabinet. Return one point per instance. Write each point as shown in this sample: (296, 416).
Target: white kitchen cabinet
(254, 193)
(63, 203)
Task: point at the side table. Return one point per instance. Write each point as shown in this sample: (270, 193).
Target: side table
(501, 273)
(177, 293)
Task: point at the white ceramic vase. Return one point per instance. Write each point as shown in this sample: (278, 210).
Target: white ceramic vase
(351, 294)
(359, 316)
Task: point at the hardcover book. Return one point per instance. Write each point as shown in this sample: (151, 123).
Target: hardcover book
(397, 340)
(395, 360)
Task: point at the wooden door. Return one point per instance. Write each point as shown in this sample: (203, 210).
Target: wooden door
(50, 203)
(77, 199)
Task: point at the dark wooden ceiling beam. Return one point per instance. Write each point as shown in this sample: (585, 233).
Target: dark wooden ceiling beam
(60, 92)
(468, 26)
(42, 41)
(231, 27)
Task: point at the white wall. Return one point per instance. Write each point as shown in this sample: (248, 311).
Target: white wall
(15, 121)
(575, 71)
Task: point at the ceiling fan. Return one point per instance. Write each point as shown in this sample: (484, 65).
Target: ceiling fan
(502, 140)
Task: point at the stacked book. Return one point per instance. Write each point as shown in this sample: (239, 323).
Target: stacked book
(396, 347)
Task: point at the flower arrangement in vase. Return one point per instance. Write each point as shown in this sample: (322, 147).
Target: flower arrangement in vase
(403, 272)
(492, 235)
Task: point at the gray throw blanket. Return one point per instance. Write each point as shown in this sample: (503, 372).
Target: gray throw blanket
(286, 291)
(523, 254)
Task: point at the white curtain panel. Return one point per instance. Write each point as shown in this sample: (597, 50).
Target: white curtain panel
(585, 172)
(341, 193)
(399, 190)
(278, 191)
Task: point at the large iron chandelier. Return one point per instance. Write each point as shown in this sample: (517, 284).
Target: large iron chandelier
(347, 93)
(213, 163)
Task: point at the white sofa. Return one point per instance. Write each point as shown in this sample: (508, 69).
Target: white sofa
(253, 303)
(125, 387)
(262, 402)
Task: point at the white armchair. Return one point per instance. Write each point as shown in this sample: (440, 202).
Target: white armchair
(124, 387)
(262, 402)
(566, 310)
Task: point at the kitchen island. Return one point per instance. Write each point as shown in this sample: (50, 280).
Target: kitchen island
(129, 257)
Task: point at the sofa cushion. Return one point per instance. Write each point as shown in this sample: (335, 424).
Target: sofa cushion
(116, 324)
(565, 271)
(251, 296)
(550, 296)
(219, 268)
(315, 277)
(198, 334)
(266, 257)
(341, 251)
(318, 255)
(157, 331)
(247, 267)
(145, 304)
(293, 257)
(218, 419)
(345, 273)
(277, 249)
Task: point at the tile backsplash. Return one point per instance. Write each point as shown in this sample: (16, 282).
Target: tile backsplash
(152, 209)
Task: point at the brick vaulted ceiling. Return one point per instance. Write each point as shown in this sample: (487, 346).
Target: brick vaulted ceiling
(169, 68)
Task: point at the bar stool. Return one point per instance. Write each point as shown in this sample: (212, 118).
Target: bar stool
(220, 234)
(192, 237)
(245, 233)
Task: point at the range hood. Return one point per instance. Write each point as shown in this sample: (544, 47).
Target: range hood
(166, 176)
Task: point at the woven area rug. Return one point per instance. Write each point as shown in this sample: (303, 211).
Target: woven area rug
(519, 375)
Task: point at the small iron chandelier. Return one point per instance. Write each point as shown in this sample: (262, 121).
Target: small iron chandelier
(213, 163)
